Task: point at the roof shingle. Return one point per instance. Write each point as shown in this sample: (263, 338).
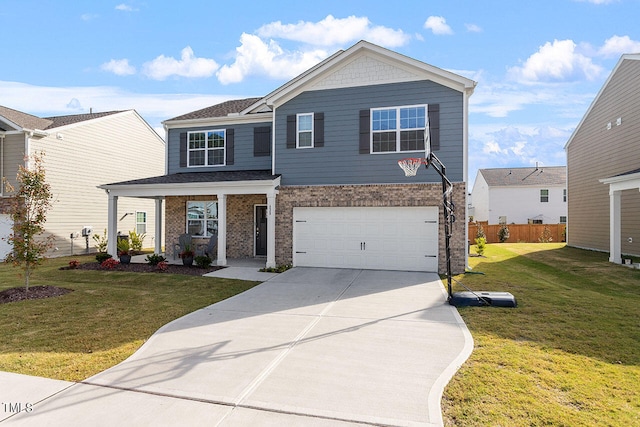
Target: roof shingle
(505, 177)
(219, 110)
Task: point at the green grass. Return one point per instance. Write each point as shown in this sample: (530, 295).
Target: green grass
(107, 317)
(568, 355)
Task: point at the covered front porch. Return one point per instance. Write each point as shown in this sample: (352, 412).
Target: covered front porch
(203, 204)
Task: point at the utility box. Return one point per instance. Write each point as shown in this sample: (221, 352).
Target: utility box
(478, 299)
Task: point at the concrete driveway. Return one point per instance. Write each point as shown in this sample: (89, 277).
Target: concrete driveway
(309, 347)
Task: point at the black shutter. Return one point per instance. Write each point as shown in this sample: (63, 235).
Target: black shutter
(183, 150)
(365, 137)
(229, 143)
(434, 126)
(291, 131)
(262, 141)
(318, 129)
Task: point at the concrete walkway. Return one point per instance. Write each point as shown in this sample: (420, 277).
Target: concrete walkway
(309, 347)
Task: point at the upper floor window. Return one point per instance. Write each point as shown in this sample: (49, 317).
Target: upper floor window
(544, 196)
(564, 195)
(398, 129)
(304, 138)
(563, 220)
(206, 148)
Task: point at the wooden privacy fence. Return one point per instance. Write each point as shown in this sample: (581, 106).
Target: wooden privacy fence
(524, 233)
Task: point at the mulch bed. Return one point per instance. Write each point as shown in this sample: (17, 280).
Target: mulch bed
(146, 268)
(35, 292)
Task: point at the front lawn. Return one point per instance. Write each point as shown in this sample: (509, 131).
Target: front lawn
(106, 318)
(568, 355)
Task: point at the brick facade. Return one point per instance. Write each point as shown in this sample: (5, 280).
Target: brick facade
(398, 195)
(5, 205)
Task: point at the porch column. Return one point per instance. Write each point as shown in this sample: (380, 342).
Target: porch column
(222, 229)
(615, 219)
(112, 225)
(159, 238)
(271, 230)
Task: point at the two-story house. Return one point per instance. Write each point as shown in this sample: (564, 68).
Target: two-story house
(603, 167)
(308, 174)
(529, 195)
(80, 152)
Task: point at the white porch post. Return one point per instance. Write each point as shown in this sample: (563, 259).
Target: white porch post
(159, 238)
(112, 225)
(222, 229)
(271, 230)
(615, 219)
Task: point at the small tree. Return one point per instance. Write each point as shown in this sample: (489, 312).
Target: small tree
(546, 236)
(503, 233)
(28, 211)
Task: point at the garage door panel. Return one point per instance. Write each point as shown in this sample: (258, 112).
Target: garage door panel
(378, 238)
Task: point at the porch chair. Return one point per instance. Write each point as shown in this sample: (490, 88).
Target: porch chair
(184, 240)
(210, 249)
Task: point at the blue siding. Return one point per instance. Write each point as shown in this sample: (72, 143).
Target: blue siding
(339, 161)
(243, 149)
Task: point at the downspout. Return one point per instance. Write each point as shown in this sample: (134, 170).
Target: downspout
(2, 164)
(465, 170)
(166, 149)
(273, 142)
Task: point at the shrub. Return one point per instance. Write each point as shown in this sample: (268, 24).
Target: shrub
(203, 261)
(503, 233)
(480, 232)
(155, 259)
(162, 265)
(123, 247)
(102, 256)
(101, 241)
(546, 236)
(278, 269)
(74, 263)
(481, 243)
(136, 240)
(109, 263)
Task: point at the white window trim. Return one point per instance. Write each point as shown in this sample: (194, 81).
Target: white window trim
(206, 149)
(186, 222)
(544, 201)
(145, 221)
(398, 130)
(298, 130)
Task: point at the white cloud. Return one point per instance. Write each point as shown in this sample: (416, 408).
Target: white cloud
(254, 56)
(74, 104)
(187, 66)
(473, 28)
(334, 31)
(598, 1)
(119, 67)
(125, 8)
(618, 45)
(88, 16)
(438, 25)
(556, 62)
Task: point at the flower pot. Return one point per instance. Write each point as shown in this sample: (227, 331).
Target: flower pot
(187, 260)
(125, 259)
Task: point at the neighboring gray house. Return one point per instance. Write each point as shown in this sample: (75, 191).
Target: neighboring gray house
(530, 195)
(603, 167)
(308, 174)
(80, 152)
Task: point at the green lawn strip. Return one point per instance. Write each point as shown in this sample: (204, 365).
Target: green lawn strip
(107, 317)
(569, 354)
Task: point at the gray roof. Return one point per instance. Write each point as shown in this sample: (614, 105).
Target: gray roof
(194, 177)
(543, 175)
(24, 120)
(28, 121)
(219, 110)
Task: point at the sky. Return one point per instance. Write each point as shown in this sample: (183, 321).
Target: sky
(538, 65)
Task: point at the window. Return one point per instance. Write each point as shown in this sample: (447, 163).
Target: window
(502, 220)
(398, 129)
(202, 218)
(141, 222)
(563, 220)
(206, 148)
(304, 138)
(544, 196)
(564, 195)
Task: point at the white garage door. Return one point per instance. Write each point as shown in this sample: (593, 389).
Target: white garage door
(5, 230)
(373, 238)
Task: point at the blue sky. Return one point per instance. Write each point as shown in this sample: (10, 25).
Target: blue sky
(538, 64)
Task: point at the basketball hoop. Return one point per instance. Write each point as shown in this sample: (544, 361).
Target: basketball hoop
(411, 165)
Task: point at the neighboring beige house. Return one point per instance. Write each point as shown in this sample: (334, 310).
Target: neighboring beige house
(603, 167)
(530, 195)
(81, 152)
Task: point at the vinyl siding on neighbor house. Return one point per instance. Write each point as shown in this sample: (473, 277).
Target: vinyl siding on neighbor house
(113, 148)
(12, 157)
(244, 158)
(595, 152)
(339, 160)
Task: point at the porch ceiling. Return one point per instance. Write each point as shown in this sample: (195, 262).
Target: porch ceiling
(197, 183)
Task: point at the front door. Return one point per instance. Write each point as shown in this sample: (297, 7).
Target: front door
(261, 230)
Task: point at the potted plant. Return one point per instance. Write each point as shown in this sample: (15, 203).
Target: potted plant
(187, 255)
(124, 251)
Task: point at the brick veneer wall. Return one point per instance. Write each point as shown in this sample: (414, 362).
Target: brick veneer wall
(240, 217)
(371, 196)
(5, 205)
